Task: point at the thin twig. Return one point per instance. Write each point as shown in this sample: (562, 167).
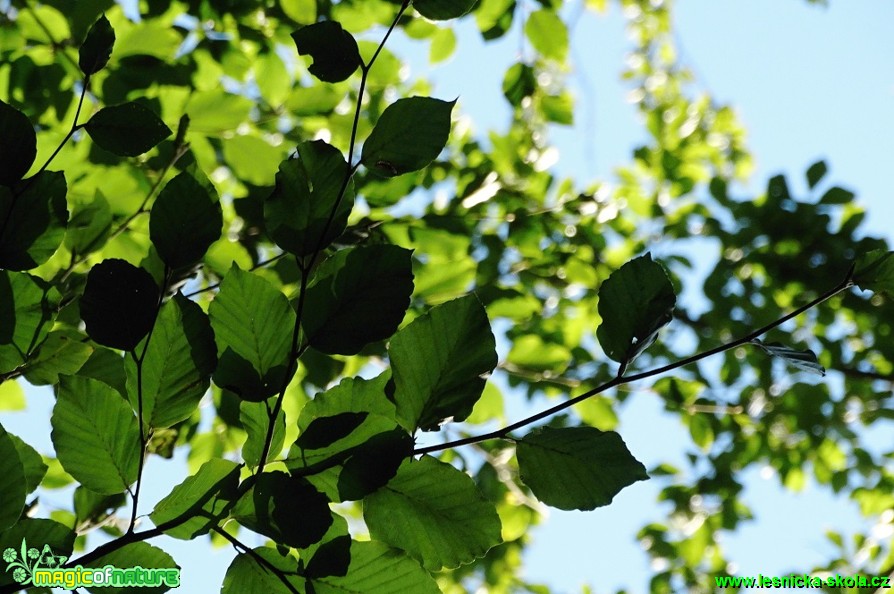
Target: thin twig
(620, 379)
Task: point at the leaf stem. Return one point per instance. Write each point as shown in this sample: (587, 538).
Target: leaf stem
(307, 265)
(138, 361)
(621, 379)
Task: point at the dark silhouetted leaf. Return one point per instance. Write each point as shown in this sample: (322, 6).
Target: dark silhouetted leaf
(836, 195)
(815, 173)
(96, 50)
(19, 146)
(298, 213)
(874, 271)
(286, 508)
(203, 497)
(804, 360)
(438, 362)
(185, 220)
(334, 50)
(442, 10)
(435, 513)
(331, 558)
(127, 130)
(635, 302)
(359, 296)
(119, 304)
(324, 431)
(409, 135)
(577, 467)
(36, 213)
(95, 435)
(253, 325)
(374, 464)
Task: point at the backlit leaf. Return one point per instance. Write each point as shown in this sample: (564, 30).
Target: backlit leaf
(438, 362)
(576, 467)
(95, 435)
(253, 325)
(13, 487)
(435, 513)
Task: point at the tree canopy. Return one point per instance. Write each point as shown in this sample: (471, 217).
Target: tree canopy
(205, 248)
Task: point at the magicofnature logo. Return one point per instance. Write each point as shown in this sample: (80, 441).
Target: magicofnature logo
(42, 567)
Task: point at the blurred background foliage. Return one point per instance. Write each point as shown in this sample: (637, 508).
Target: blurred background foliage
(490, 216)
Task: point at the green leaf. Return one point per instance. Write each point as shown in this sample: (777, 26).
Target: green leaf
(95, 435)
(246, 575)
(874, 271)
(140, 554)
(409, 135)
(635, 302)
(55, 542)
(58, 355)
(203, 498)
(443, 44)
(435, 513)
(36, 213)
(250, 157)
(185, 220)
(19, 147)
(177, 365)
(442, 10)
(119, 304)
(548, 34)
(252, 324)
(32, 463)
(126, 130)
(334, 51)
(438, 362)
(89, 225)
(376, 568)
(359, 296)
(803, 360)
(815, 173)
(96, 50)
(13, 487)
(576, 467)
(286, 508)
(299, 213)
(26, 312)
(255, 420)
(300, 11)
(519, 83)
(531, 352)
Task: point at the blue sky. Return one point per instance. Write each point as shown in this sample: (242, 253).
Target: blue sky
(808, 82)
